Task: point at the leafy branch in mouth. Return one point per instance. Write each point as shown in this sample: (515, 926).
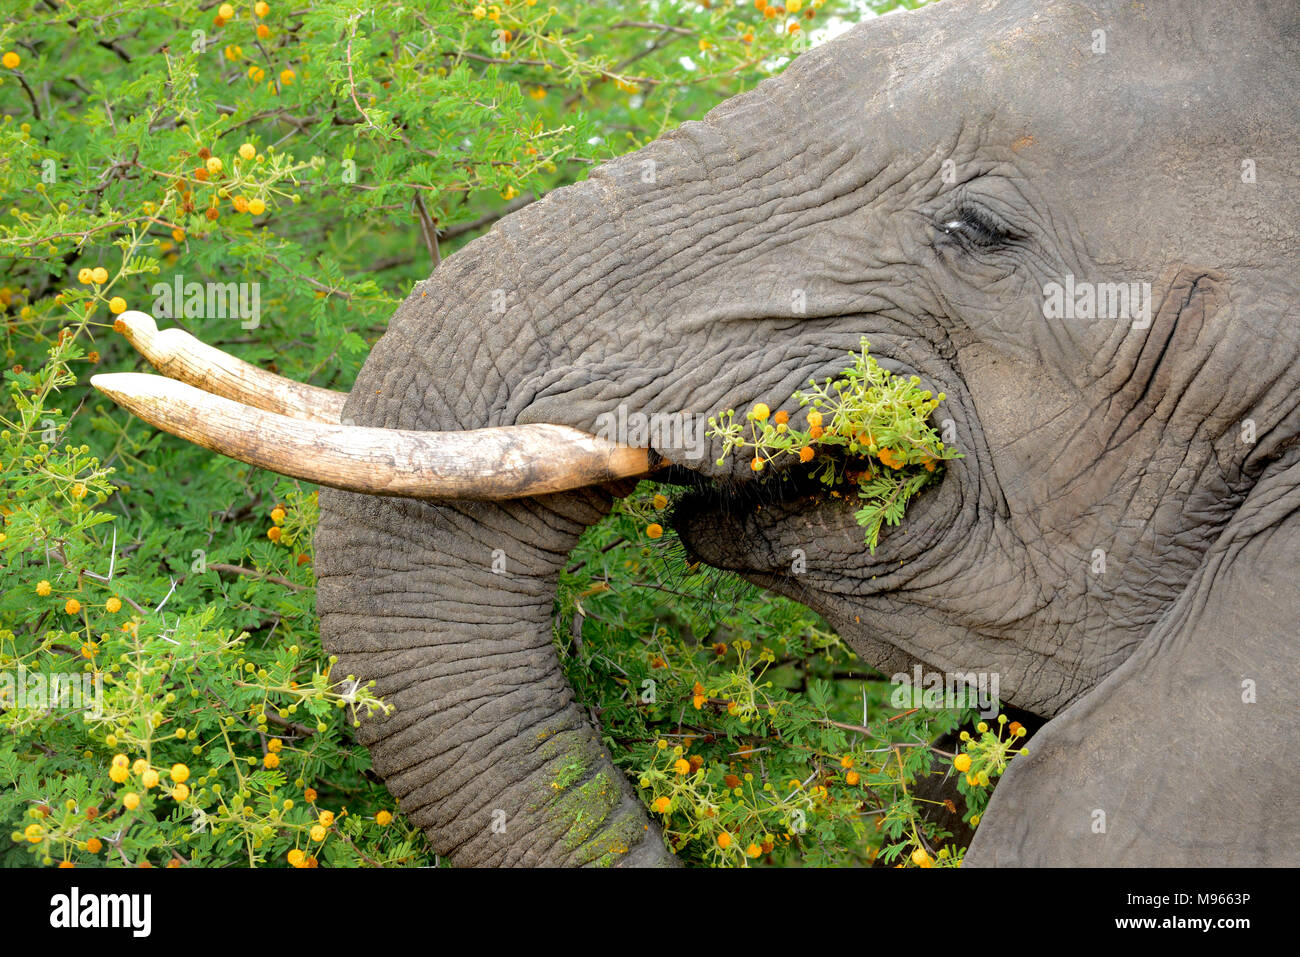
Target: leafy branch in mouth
(867, 427)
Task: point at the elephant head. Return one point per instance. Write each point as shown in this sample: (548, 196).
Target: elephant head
(1079, 221)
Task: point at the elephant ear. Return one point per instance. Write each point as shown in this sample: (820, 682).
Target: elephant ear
(1185, 754)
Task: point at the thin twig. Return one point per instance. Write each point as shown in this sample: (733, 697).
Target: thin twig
(254, 573)
(300, 729)
(428, 231)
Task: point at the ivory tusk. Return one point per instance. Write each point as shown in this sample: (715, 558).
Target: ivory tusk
(177, 354)
(482, 464)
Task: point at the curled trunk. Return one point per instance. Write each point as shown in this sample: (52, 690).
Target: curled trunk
(448, 607)
(486, 748)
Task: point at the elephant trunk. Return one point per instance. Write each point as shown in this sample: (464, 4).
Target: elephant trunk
(449, 610)
(447, 605)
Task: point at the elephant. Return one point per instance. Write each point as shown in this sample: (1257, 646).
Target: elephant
(1077, 220)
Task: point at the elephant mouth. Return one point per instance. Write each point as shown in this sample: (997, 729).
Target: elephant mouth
(763, 526)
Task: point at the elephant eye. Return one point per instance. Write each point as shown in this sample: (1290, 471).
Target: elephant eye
(975, 227)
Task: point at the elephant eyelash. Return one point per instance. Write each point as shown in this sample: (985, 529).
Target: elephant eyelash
(976, 228)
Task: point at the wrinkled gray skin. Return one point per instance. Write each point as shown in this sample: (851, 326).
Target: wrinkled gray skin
(676, 295)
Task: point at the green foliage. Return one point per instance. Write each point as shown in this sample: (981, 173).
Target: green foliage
(983, 759)
(867, 428)
(331, 153)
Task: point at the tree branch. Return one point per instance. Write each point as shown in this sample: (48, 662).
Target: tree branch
(254, 573)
